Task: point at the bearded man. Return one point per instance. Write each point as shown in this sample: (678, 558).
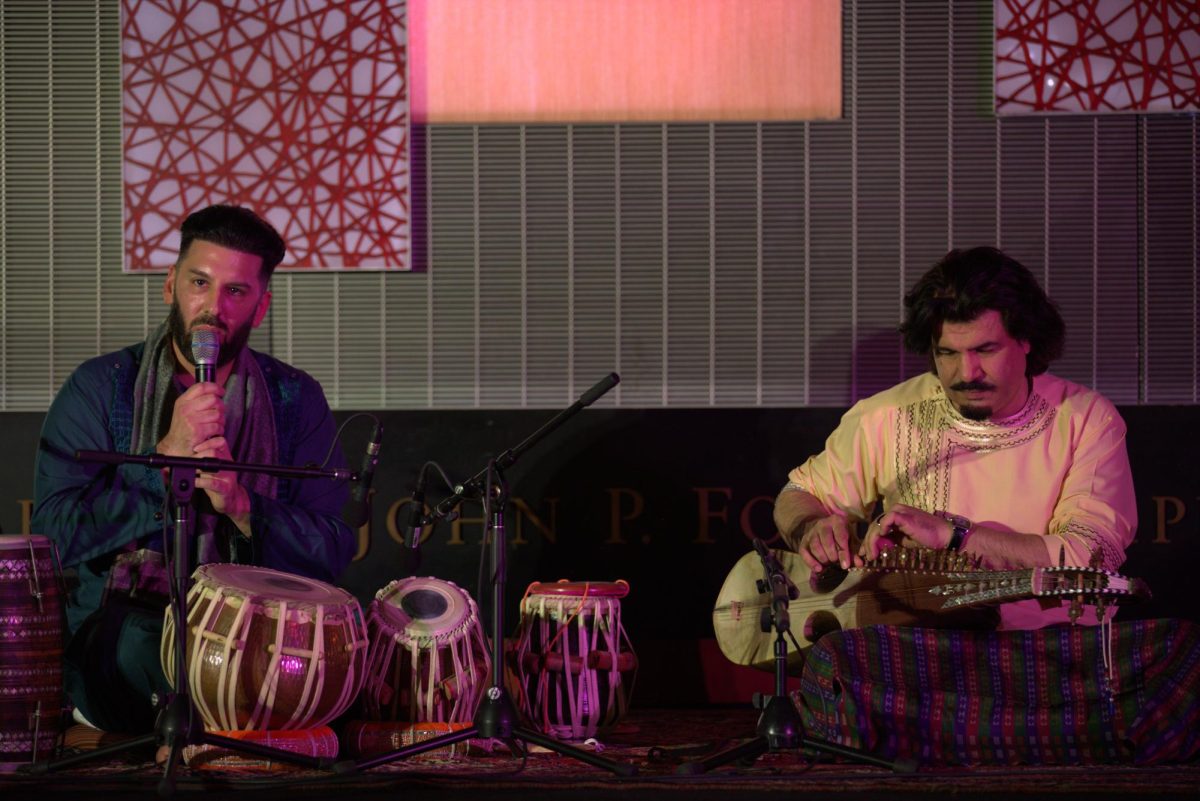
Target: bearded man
(144, 400)
(991, 456)
(987, 454)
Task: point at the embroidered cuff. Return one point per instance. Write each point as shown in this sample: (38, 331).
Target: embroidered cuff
(1110, 556)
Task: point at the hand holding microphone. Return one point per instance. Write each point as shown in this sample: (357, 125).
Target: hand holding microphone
(225, 492)
(199, 413)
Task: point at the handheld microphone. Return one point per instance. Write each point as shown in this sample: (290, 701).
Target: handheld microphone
(205, 347)
(360, 505)
(416, 515)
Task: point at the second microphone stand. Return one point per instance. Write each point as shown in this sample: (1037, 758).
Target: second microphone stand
(497, 717)
(779, 726)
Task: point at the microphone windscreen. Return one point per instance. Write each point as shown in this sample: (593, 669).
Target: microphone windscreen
(204, 348)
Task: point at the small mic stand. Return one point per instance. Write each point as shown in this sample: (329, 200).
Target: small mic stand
(177, 724)
(779, 726)
(496, 717)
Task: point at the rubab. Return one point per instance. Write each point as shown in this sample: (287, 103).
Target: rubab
(905, 587)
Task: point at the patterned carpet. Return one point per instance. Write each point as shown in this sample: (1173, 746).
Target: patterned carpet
(656, 741)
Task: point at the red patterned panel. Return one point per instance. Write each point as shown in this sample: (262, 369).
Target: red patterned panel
(296, 108)
(1097, 55)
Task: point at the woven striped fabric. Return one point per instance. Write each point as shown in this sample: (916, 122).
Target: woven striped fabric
(1018, 697)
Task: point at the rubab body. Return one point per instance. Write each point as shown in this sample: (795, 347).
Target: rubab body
(903, 587)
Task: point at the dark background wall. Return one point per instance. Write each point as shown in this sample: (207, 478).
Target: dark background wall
(666, 499)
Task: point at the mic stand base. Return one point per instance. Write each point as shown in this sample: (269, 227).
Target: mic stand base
(494, 720)
(780, 729)
(496, 717)
(779, 726)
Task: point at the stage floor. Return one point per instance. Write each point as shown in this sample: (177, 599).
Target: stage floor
(656, 741)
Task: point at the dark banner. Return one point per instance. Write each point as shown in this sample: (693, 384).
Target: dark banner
(664, 499)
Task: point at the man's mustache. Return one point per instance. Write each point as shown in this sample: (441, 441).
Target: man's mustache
(209, 321)
(972, 386)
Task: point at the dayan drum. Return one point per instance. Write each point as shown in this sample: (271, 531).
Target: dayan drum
(574, 662)
(31, 634)
(428, 660)
(268, 650)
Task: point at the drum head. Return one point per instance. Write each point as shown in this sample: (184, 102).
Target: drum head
(601, 589)
(274, 584)
(421, 607)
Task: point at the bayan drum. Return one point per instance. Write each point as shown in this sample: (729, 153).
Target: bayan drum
(574, 662)
(428, 660)
(268, 650)
(31, 634)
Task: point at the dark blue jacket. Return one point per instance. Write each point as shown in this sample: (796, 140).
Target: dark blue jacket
(93, 512)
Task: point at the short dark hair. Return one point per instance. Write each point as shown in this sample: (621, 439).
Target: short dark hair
(236, 228)
(965, 284)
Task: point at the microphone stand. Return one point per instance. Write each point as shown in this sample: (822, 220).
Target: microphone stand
(779, 726)
(496, 716)
(177, 724)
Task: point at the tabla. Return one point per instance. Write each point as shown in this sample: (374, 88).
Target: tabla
(428, 660)
(268, 650)
(31, 633)
(574, 662)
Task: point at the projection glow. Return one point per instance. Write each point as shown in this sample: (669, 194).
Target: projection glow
(625, 60)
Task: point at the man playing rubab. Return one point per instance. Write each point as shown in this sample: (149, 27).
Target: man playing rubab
(987, 454)
(990, 457)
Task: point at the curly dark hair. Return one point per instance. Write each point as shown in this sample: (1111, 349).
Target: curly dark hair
(236, 228)
(966, 283)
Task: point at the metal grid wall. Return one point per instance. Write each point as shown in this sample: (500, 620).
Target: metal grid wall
(711, 265)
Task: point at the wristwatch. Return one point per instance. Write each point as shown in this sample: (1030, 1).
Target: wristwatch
(962, 527)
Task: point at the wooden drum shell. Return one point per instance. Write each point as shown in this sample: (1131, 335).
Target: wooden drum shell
(573, 662)
(268, 650)
(31, 648)
(425, 666)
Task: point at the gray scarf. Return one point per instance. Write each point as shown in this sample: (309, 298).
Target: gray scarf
(249, 425)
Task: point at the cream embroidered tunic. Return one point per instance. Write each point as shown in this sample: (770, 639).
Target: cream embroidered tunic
(1058, 468)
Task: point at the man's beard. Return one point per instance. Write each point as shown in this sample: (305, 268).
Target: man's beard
(973, 412)
(232, 344)
(977, 413)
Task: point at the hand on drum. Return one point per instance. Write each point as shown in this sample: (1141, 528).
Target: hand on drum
(907, 527)
(227, 495)
(828, 541)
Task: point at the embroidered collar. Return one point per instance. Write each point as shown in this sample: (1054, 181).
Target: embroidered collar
(1006, 432)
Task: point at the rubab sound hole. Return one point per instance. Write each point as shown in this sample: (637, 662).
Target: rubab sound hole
(820, 623)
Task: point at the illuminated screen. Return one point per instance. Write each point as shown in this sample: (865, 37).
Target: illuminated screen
(624, 60)
(1100, 56)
